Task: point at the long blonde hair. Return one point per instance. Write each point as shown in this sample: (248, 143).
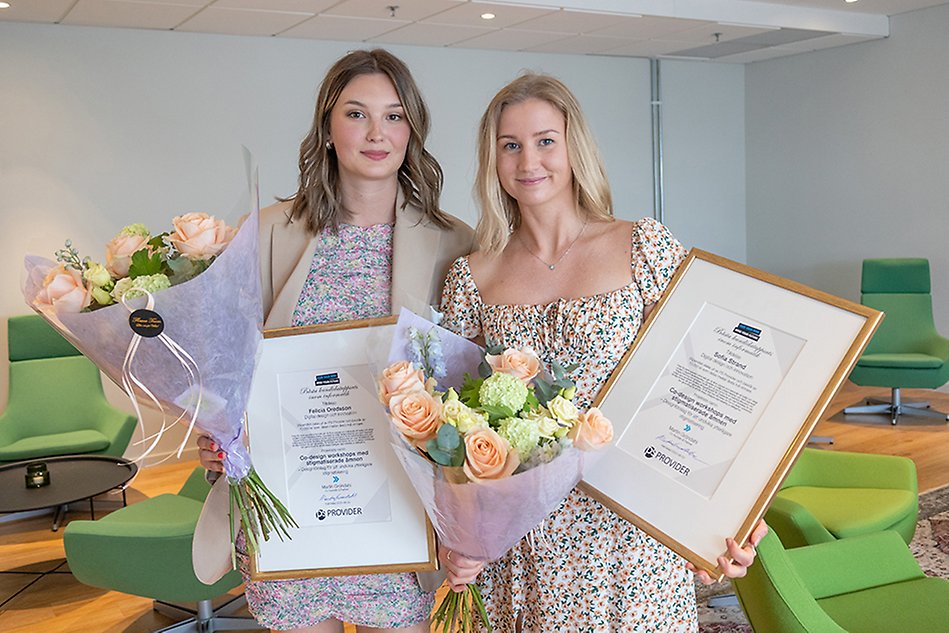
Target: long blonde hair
(499, 211)
(318, 200)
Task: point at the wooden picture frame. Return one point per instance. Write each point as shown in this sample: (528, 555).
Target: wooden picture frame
(715, 399)
(320, 441)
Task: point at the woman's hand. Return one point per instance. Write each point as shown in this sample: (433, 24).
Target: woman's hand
(461, 571)
(210, 454)
(736, 561)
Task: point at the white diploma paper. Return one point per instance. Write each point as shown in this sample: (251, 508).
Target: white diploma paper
(335, 462)
(709, 397)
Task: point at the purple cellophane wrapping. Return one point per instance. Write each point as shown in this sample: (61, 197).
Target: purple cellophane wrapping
(482, 520)
(215, 318)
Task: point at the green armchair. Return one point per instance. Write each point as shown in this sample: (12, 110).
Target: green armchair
(862, 584)
(906, 350)
(56, 405)
(830, 495)
(145, 549)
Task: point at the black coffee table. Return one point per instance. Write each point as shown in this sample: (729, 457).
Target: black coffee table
(72, 478)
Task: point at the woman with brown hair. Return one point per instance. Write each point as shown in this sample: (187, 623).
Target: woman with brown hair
(362, 237)
(556, 272)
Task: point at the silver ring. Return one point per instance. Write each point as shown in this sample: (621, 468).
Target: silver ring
(448, 555)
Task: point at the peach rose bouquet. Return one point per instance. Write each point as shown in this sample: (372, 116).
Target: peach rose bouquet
(136, 263)
(490, 440)
(174, 319)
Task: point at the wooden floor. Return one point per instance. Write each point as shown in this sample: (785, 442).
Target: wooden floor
(37, 593)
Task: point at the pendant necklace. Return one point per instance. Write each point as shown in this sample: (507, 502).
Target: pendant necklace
(559, 259)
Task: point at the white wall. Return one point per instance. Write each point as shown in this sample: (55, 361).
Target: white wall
(848, 158)
(103, 127)
(704, 156)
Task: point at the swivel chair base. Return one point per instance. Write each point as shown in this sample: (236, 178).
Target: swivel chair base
(207, 619)
(897, 407)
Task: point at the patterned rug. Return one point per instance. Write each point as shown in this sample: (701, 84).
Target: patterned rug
(930, 546)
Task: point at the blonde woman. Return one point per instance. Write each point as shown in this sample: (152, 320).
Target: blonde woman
(362, 237)
(557, 272)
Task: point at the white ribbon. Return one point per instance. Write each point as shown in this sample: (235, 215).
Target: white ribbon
(129, 379)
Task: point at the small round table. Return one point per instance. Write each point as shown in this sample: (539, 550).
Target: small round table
(72, 478)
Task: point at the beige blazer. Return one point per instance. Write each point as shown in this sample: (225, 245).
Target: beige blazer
(422, 253)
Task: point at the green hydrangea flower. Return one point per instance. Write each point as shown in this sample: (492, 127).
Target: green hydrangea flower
(131, 288)
(503, 390)
(522, 433)
(135, 229)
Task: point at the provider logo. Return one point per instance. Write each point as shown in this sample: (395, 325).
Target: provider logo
(322, 513)
(666, 460)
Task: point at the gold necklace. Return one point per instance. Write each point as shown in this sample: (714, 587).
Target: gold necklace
(559, 259)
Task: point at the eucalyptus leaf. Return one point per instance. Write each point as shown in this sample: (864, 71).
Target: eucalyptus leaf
(448, 438)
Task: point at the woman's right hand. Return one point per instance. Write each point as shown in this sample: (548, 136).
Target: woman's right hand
(461, 571)
(210, 454)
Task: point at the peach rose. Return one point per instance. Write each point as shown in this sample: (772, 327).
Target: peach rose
(488, 455)
(400, 377)
(520, 363)
(417, 414)
(119, 251)
(64, 290)
(200, 236)
(592, 431)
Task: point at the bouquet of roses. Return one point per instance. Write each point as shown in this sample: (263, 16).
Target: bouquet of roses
(173, 318)
(490, 459)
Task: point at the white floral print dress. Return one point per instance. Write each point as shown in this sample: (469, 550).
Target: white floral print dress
(591, 570)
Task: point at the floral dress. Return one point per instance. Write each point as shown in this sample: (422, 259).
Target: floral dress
(591, 570)
(350, 278)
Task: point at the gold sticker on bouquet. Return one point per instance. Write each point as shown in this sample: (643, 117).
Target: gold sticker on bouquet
(147, 323)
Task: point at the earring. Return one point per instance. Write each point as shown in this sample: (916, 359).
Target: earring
(329, 145)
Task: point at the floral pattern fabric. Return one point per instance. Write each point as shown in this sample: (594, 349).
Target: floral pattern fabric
(585, 568)
(350, 278)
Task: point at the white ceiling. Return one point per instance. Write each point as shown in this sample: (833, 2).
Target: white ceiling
(724, 30)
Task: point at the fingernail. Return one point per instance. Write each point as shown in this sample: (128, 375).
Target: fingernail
(214, 446)
(220, 455)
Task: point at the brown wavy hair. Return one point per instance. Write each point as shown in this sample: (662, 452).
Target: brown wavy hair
(318, 201)
(500, 215)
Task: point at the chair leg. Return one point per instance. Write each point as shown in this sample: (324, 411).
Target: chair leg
(897, 407)
(207, 619)
(724, 600)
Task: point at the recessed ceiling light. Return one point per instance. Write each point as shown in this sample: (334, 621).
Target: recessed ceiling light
(850, 1)
(4, 5)
(487, 16)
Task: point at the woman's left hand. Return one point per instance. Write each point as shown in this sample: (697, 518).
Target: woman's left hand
(736, 561)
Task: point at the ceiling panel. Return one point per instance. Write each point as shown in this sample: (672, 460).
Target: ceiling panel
(330, 27)
(511, 39)
(713, 32)
(138, 15)
(242, 21)
(646, 48)
(295, 6)
(37, 11)
(409, 10)
(564, 21)
(430, 34)
(609, 27)
(469, 14)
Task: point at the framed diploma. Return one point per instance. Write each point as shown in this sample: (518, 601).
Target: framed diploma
(319, 439)
(715, 399)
